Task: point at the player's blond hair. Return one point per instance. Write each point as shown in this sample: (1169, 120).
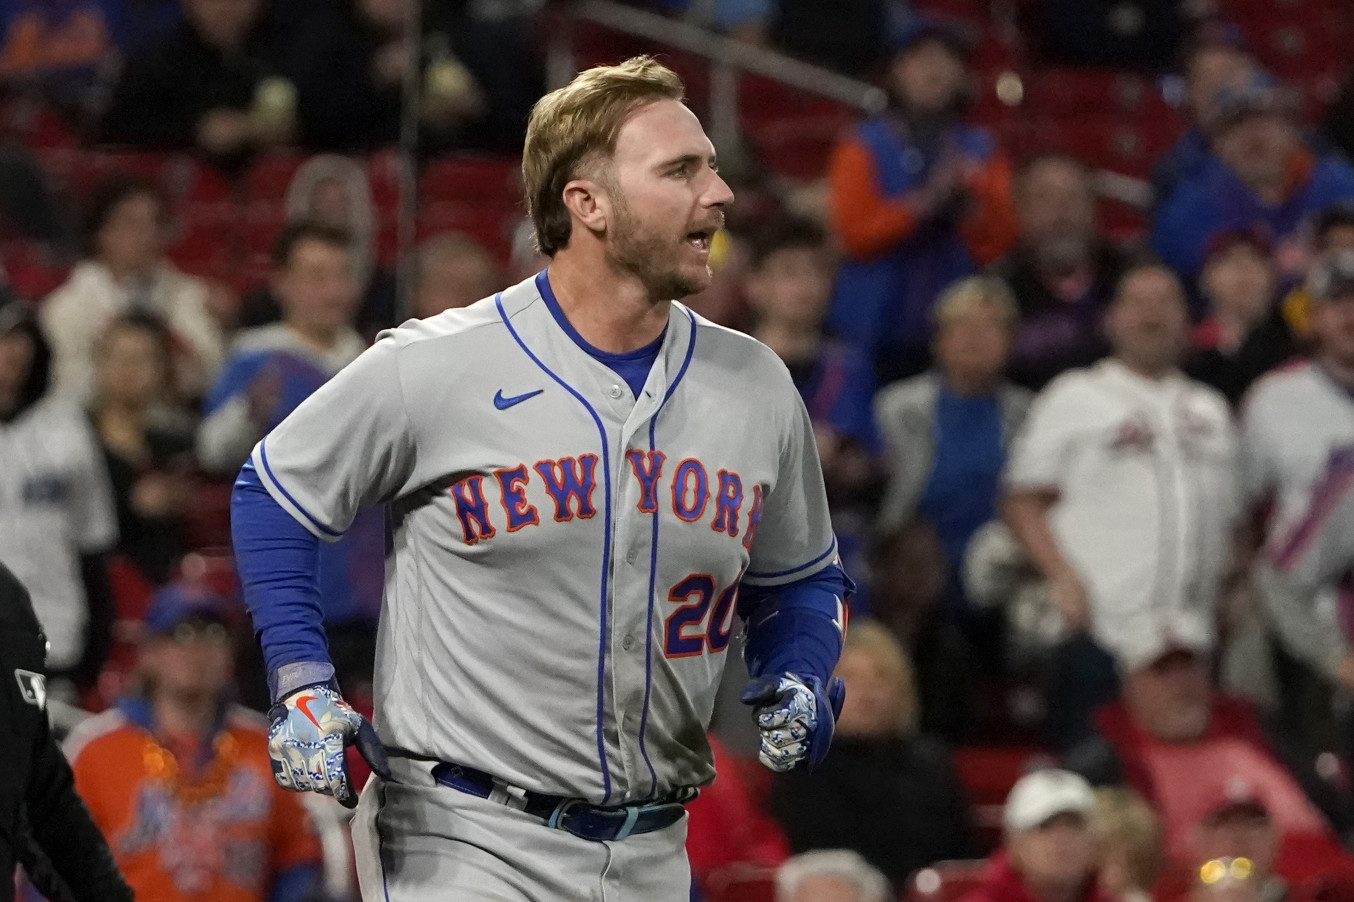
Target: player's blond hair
(573, 125)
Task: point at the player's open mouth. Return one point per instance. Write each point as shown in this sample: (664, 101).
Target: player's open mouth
(700, 241)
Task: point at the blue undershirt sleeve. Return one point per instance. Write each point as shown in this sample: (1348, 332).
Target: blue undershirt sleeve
(277, 559)
(797, 627)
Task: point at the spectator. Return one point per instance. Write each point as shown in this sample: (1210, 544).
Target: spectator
(125, 269)
(917, 200)
(1180, 744)
(1298, 429)
(886, 791)
(453, 270)
(272, 369)
(147, 448)
(788, 286)
(334, 191)
(1122, 490)
(727, 830)
(1233, 850)
(1214, 59)
(210, 82)
(1061, 270)
(1244, 335)
(830, 876)
(1332, 230)
(1263, 177)
(58, 519)
(962, 408)
(946, 433)
(178, 778)
(907, 586)
(1129, 834)
(350, 67)
(1049, 853)
(44, 826)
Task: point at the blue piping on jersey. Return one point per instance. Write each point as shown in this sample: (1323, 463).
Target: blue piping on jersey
(606, 544)
(263, 455)
(653, 567)
(830, 548)
(381, 846)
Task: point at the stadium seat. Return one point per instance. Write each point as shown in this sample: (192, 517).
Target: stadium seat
(1101, 92)
(495, 181)
(742, 883)
(987, 774)
(945, 881)
(268, 177)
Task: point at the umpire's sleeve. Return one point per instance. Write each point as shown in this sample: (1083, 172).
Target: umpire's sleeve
(64, 832)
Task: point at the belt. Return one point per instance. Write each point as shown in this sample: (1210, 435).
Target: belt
(582, 819)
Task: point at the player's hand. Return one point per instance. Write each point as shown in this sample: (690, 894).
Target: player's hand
(310, 730)
(1068, 595)
(796, 718)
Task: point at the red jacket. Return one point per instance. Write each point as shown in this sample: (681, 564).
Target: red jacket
(726, 826)
(1001, 883)
(1181, 781)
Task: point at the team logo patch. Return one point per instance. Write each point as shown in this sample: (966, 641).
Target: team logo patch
(33, 687)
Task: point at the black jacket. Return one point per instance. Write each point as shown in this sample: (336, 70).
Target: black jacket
(898, 803)
(44, 825)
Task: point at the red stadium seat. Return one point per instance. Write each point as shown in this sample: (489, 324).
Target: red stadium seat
(270, 175)
(1099, 92)
(946, 881)
(987, 774)
(742, 883)
(490, 181)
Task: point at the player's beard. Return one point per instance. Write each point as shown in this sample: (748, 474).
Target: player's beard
(651, 256)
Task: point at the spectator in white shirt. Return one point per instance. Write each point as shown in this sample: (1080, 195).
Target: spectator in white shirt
(125, 271)
(1122, 489)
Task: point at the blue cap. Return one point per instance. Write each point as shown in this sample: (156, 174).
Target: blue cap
(182, 601)
(909, 31)
(1257, 95)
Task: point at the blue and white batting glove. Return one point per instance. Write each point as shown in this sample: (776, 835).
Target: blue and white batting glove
(310, 730)
(796, 718)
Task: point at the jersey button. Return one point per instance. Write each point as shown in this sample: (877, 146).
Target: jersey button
(628, 643)
(630, 556)
(615, 392)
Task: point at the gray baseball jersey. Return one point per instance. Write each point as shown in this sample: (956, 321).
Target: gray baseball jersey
(564, 557)
(1297, 443)
(1299, 450)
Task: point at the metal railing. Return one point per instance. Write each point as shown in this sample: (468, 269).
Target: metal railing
(727, 58)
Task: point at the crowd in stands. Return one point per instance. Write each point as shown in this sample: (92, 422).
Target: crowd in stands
(1093, 483)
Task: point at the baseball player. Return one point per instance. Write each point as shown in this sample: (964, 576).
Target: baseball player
(585, 483)
(1298, 444)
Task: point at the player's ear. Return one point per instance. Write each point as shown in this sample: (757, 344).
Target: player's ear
(586, 201)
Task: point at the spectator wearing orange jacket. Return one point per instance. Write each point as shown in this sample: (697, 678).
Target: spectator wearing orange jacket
(178, 779)
(917, 200)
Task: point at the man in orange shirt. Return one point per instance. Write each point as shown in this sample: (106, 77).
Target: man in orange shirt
(918, 199)
(178, 778)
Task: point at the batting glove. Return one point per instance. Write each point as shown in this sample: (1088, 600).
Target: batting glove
(796, 718)
(310, 730)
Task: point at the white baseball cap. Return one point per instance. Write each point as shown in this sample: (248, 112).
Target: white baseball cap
(1044, 794)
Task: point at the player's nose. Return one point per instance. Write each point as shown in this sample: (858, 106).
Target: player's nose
(719, 193)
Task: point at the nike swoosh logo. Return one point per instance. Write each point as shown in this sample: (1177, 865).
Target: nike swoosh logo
(503, 403)
(304, 704)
